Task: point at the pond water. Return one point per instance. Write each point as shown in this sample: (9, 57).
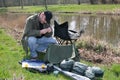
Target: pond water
(101, 27)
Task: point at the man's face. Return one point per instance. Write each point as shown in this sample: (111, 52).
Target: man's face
(42, 18)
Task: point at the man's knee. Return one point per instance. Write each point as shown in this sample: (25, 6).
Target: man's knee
(51, 40)
(32, 40)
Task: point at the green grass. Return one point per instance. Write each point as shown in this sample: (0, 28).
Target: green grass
(116, 69)
(3, 10)
(68, 8)
(109, 71)
(78, 8)
(26, 9)
(11, 53)
(110, 74)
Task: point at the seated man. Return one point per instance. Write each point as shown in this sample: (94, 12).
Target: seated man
(38, 33)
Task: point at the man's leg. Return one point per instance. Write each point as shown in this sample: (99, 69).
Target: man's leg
(44, 42)
(32, 46)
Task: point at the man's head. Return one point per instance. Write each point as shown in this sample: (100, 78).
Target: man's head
(45, 17)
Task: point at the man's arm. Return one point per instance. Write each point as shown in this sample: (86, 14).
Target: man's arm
(45, 31)
(29, 30)
(49, 30)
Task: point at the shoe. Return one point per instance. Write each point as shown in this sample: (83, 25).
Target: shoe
(33, 58)
(41, 52)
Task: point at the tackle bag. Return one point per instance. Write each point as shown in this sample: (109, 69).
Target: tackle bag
(57, 53)
(37, 65)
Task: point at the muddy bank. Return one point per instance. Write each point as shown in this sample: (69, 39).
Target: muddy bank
(98, 51)
(107, 57)
(117, 12)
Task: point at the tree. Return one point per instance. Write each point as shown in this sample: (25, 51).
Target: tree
(104, 1)
(114, 1)
(4, 3)
(92, 1)
(21, 3)
(78, 2)
(45, 4)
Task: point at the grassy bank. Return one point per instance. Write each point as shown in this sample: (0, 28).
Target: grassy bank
(83, 8)
(97, 51)
(11, 53)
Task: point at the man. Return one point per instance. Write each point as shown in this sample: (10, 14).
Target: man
(37, 33)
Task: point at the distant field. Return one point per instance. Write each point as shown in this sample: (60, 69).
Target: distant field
(83, 8)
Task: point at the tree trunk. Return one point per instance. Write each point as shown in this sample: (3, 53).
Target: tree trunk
(45, 4)
(19, 2)
(22, 4)
(78, 2)
(92, 1)
(114, 1)
(103, 1)
(4, 3)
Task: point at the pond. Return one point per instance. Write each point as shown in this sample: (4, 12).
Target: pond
(101, 27)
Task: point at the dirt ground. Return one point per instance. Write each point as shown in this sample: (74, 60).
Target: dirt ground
(106, 57)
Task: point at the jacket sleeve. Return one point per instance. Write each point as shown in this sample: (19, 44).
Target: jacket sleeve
(30, 30)
(25, 44)
(50, 33)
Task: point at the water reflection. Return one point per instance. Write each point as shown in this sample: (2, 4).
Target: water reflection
(101, 27)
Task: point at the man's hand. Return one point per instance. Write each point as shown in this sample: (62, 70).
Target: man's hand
(46, 30)
(49, 29)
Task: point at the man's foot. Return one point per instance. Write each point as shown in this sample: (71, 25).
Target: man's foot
(34, 58)
(41, 52)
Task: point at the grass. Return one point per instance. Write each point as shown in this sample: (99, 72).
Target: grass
(2, 10)
(68, 8)
(109, 70)
(116, 69)
(27, 9)
(11, 53)
(77, 8)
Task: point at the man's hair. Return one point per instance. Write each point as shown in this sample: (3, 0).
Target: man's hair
(48, 15)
